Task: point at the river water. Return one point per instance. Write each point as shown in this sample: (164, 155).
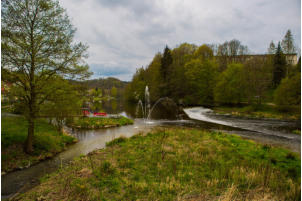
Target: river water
(266, 131)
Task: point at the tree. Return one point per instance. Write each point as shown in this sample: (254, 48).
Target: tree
(288, 43)
(166, 62)
(136, 89)
(272, 48)
(201, 76)
(258, 76)
(113, 91)
(234, 46)
(178, 82)
(223, 55)
(37, 44)
(204, 52)
(230, 87)
(229, 52)
(279, 66)
(154, 78)
(288, 92)
(65, 100)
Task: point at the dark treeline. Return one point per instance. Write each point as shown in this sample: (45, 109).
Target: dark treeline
(219, 74)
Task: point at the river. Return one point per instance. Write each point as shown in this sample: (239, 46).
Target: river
(274, 132)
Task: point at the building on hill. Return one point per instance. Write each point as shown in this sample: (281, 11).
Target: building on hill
(291, 59)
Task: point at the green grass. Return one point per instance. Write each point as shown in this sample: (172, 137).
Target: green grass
(47, 142)
(262, 111)
(177, 164)
(100, 122)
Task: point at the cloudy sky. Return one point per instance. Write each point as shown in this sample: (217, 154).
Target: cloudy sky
(125, 34)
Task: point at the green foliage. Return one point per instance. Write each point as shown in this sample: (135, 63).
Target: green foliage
(201, 75)
(36, 51)
(230, 87)
(135, 90)
(165, 72)
(116, 141)
(279, 66)
(63, 101)
(100, 122)
(289, 91)
(258, 76)
(47, 142)
(176, 164)
(113, 91)
(195, 76)
(166, 61)
(203, 53)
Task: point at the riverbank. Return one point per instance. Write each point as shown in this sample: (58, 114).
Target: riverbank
(100, 122)
(47, 143)
(172, 164)
(262, 111)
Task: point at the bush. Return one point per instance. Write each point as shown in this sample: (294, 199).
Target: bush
(230, 88)
(116, 141)
(288, 92)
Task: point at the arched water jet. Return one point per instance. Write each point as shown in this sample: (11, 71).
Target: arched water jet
(158, 101)
(146, 107)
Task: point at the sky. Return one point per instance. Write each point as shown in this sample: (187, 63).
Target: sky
(124, 35)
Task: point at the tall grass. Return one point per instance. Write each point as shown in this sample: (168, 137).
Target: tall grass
(178, 164)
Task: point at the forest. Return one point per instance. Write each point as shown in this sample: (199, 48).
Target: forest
(212, 74)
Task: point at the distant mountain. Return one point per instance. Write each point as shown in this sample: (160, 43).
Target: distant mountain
(106, 83)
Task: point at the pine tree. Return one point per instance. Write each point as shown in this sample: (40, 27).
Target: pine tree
(272, 48)
(165, 70)
(279, 66)
(288, 43)
(166, 61)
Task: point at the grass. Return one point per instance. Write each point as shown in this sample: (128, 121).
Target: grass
(262, 111)
(47, 142)
(176, 164)
(100, 122)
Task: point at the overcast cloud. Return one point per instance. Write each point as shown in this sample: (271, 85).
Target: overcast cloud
(125, 34)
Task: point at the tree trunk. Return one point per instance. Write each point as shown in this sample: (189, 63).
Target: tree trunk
(28, 148)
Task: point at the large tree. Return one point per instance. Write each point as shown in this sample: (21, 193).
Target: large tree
(258, 76)
(200, 74)
(279, 65)
(165, 70)
(231, 85)
(37, 44)
(288, 45)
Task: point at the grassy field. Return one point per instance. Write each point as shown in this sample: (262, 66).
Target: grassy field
(262, 111)
(100, 122)
(176, 164)
(47, 142)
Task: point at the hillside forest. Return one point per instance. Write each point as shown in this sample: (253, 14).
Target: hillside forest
(213, 74)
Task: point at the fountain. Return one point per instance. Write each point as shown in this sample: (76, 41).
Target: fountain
(146, 107)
